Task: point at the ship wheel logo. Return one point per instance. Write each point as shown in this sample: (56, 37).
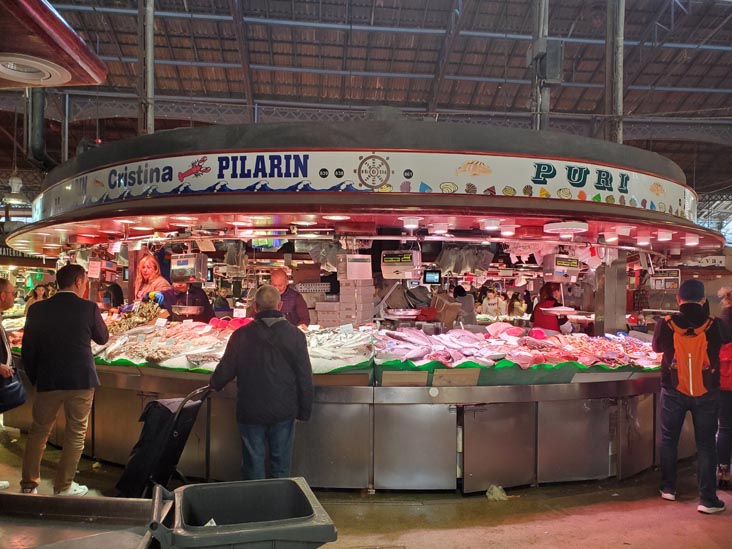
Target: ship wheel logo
(373, 171)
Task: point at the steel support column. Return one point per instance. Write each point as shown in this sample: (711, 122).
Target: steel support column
(150, 65)
(540, 93)
(614, 70)
(146, 66)
(65, 130)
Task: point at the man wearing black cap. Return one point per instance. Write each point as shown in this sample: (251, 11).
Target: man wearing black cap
(682, 391)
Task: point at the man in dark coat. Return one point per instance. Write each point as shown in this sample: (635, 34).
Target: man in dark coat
(269, 359)
(58, 360)
(675, 404)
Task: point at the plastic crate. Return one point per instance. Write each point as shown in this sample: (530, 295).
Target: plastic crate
(258, 514)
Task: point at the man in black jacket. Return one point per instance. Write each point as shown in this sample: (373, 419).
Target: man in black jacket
(269, 359)
(58, 360)
(7, 300)
(675, 403)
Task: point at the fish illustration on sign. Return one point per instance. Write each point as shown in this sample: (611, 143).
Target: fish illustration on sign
(473, 168)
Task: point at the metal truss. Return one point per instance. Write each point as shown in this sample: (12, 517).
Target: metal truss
(101, 105)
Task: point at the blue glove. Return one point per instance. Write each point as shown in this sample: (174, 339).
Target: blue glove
(159, 298)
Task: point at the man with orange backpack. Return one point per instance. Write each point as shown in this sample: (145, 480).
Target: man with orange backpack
(690, 341)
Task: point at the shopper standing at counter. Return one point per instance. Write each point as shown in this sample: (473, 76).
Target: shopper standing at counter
(149, 278)
(490, 303)
(59, 362)
(467, 305)
(7, 300)
(269, 359)
(37, 294)
(724, 432)
(293, 304)
(690, 383)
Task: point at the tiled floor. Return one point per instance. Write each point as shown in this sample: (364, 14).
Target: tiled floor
(605, 513)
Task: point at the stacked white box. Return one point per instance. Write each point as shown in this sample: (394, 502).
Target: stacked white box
(357, 301)
(328, 313)
(356, 305)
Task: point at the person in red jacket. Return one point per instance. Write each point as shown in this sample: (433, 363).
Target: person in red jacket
(549, 295)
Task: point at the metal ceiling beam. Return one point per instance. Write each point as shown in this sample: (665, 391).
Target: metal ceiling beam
(368, 28)
(454, 25)
(242, 44)
(377, 74)
(715, 197)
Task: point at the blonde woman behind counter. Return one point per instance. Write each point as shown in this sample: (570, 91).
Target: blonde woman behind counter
(149, 278)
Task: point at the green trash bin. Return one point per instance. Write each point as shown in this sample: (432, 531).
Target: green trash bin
(259, 514)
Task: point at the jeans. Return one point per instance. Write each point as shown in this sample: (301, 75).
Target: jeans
(724, 435)
(77, 406)
(254, 441)
(704, 410)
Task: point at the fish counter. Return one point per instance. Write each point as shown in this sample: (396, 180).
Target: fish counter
(539, 410)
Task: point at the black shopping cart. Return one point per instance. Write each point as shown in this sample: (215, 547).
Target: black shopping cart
(154, 458)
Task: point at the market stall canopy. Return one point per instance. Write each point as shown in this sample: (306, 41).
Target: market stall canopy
(432, 182)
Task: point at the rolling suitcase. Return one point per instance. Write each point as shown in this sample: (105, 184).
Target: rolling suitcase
(154, 458)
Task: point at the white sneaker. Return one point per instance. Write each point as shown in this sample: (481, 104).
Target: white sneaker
(668, 496)
(29, 490)
(73, 490)
(4, 484)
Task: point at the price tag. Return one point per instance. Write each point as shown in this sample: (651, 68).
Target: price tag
(140, 338)
(115, 316)
(207, 328)
(95, 269)
(160, 322)
(345, 328)
(240, 313)
(115, 247)
(170, 341)
(188, 321)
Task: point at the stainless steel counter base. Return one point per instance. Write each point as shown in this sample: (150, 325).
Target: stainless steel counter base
(407, 437)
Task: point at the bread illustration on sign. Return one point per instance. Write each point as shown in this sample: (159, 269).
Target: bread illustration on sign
(473, 167)
(657, 189)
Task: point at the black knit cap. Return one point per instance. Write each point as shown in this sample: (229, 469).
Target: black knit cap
(691, 290)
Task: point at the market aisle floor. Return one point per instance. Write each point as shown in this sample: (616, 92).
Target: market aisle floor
(600, 514)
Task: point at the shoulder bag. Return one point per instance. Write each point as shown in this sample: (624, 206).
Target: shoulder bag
(12, 392)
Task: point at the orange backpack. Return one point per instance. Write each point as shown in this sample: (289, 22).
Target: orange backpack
(690, 357)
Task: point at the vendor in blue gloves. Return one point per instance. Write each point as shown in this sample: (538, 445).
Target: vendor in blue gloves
(185, 295)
